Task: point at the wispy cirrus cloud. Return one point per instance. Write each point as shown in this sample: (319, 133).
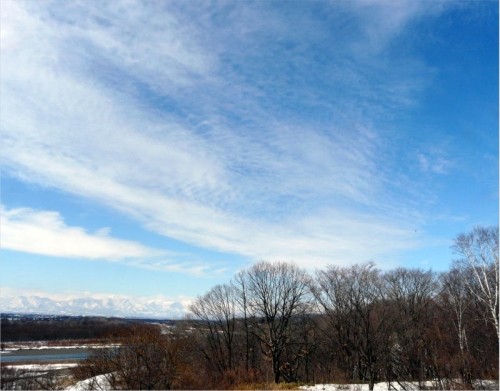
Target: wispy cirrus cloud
(201, 133)
(383, 20)
(434, 161)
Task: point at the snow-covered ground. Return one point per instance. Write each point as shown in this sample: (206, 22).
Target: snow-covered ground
(101, 382)
(41, 367)
(14, 347)
(36, 376)
(384, 386)
(98, 382)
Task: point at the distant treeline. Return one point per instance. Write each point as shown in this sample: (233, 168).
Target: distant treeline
(15, 328)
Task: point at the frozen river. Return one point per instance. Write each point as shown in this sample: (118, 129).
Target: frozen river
(43, 355)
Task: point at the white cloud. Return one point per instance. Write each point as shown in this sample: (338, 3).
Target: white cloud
(44, 232)
(384, 20)
(434, 161)
(158, 142)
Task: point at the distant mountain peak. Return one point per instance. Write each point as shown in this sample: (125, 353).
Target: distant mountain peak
(111, 306)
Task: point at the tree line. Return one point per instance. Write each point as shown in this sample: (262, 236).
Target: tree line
(274, 322)
(71, 328)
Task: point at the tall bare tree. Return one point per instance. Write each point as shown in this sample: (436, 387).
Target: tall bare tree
(217, 310)
(240, 285)
(456, 301)
(410, 292)
(276, 293)
(478, 251)
(352, 300)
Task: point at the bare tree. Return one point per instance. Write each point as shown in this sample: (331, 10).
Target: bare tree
(276, 293)
(240, 285)
(410, 293)
(479, 259)
(352, 298)
(143, 359)
(457, 302)
(217, 310)
(458, 299)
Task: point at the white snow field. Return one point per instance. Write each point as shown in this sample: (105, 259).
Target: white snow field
(101, 382)
(98, 383)
(384, 386)
(10, 347)
(42, 367)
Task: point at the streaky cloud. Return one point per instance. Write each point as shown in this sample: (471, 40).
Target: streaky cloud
(199, 134)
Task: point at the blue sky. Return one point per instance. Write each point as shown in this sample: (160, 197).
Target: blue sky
(150, 150)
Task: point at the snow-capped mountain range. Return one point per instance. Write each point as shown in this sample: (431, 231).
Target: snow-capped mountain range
(111, 306)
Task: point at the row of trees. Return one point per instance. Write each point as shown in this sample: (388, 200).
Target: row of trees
(274, 322)
(68, 328)
(357, 323)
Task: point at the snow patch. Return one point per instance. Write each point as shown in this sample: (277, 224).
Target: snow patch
(97, 383)
(41, 367)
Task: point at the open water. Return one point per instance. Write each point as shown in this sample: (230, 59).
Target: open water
(44, 355)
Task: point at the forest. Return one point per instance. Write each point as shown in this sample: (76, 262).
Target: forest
(275, 323)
